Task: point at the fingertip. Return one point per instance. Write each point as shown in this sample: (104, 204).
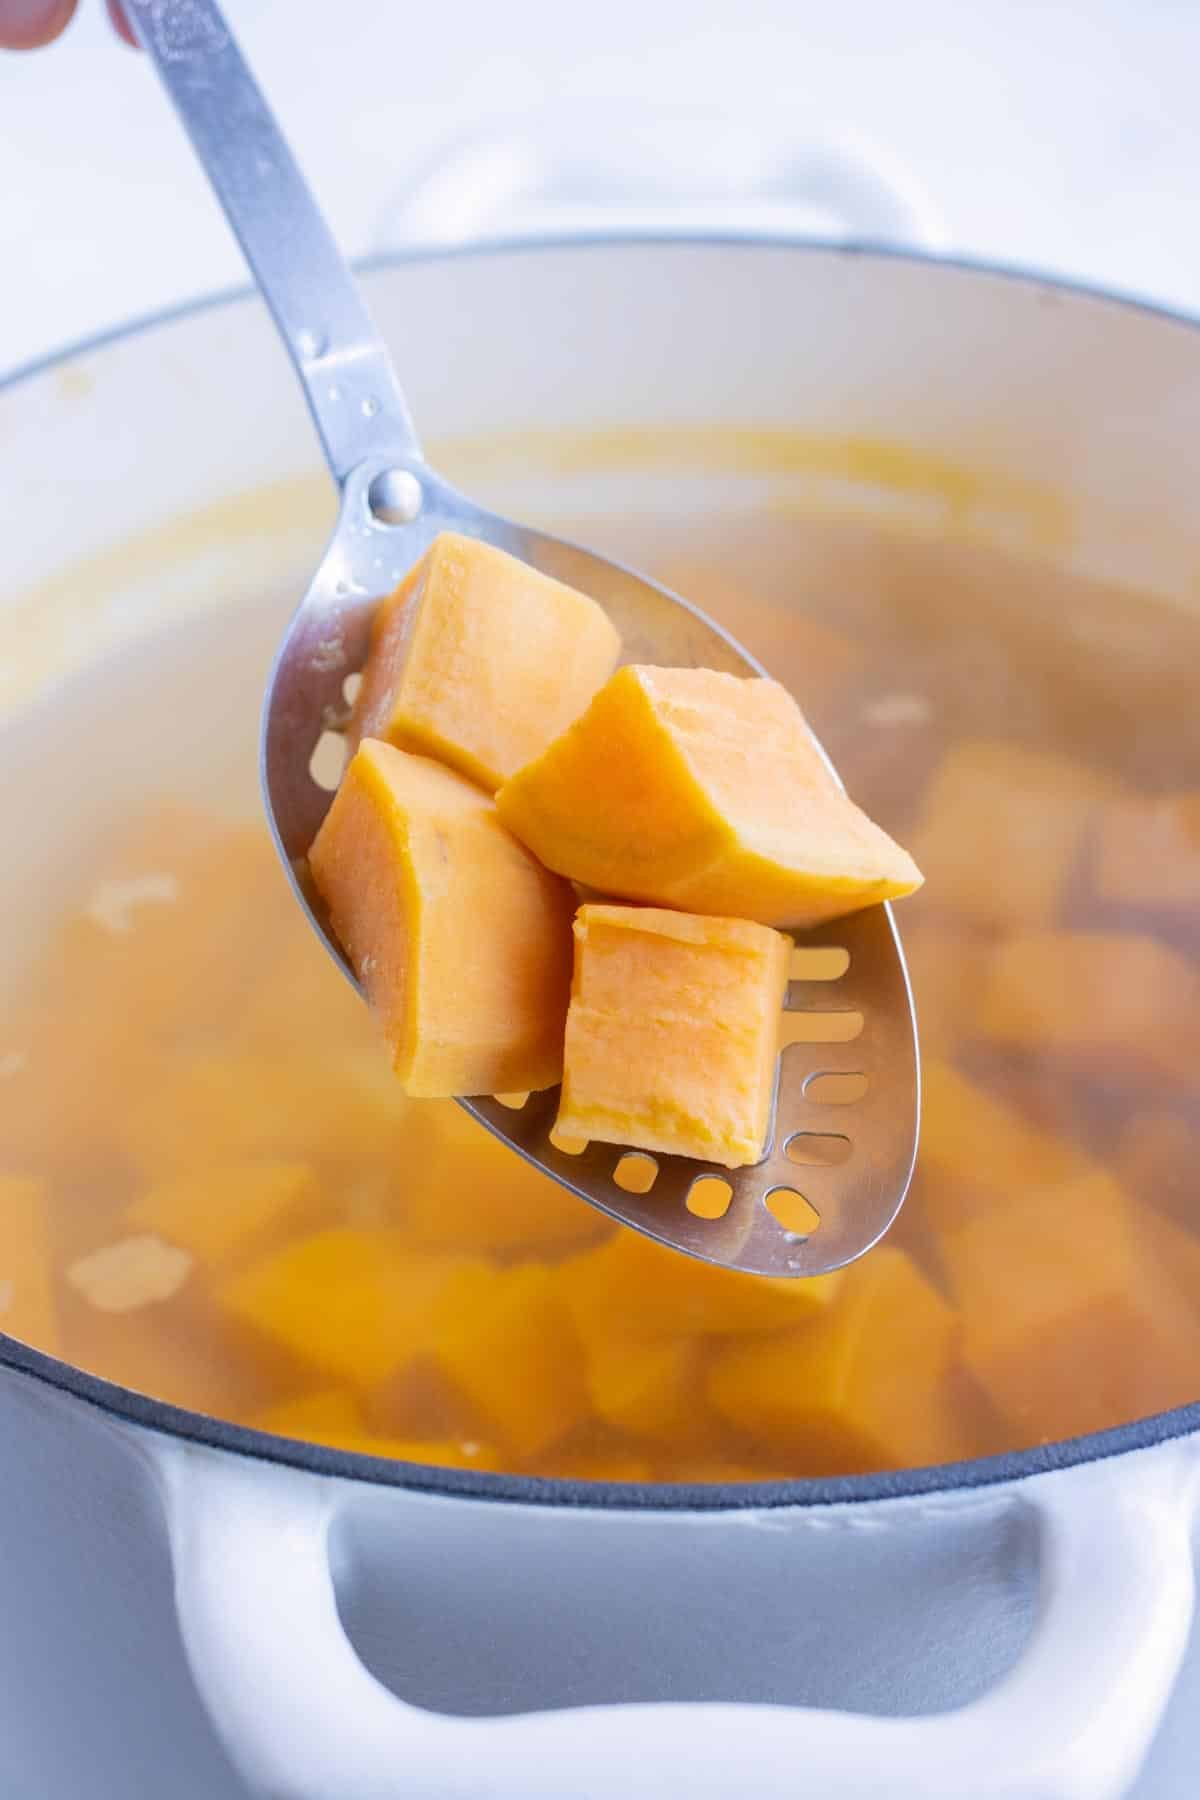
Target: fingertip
(29, 24)
(121, 23)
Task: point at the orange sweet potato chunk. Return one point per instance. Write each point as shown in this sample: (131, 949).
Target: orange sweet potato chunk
(1148, 852)
(1156, 1161)
(466, 1187)
(322, 1416)
(630, 1286)
(856, 1389)
(27, 1304)
(240, 1107)
(1102, 1000)
(653, 1391)
(227, 1210)
(977, 1151)
(334, 1416)
(1073, 1322)
(1002, 830)
(673, 1032)
(947, 962)
(503, 1343)
(461, 941)
(349, 1303)
(480, 661)
(692, 789)
(773, 628)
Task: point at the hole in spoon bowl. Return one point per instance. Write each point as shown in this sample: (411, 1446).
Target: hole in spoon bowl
(818, 962)
(636, 1173)
(817, 1149)
(820, 1028)
(833, 1087)
(328, 761)
(789, 1208)
(709, 1197)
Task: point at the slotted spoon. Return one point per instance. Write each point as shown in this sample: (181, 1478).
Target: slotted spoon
(847, 1107)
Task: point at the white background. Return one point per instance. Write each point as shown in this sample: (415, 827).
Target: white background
(1063, 135)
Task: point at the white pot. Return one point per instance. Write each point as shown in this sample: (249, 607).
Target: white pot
(1039, 1604)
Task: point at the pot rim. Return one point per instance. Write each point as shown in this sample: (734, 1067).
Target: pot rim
(159, 1415)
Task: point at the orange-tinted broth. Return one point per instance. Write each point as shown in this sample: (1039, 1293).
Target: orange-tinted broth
(212, 1037)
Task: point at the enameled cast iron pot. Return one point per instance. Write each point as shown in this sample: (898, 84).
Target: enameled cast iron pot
(1012, 1627)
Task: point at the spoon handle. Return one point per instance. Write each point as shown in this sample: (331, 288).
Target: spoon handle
(322, 317)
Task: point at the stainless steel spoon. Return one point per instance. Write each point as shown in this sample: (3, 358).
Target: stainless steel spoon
(847, 1109)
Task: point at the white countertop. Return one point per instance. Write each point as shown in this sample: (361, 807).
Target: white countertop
(1064, 135)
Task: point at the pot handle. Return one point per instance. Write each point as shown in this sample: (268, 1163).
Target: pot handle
(592, 170)
(303, 1719)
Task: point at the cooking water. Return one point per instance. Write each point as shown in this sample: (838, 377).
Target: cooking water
(193, 1102)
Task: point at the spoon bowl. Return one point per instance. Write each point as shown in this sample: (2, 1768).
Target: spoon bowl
(843, 1141)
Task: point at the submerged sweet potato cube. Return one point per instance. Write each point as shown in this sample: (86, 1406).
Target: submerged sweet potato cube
(1073, 1322)
(858, 1388)
(820, 661)
(504, 1344)
(350, 1303)
(1107, 1001)
(652, 1390)
(227, 1210)
(461, 941)
(630, 1286)
(334, 1417)
(324, 1416)
(673, 1032)
(480, 661)
(692, 789)
(466, 1187)
(1156, 1161)
(977, 1151)
(241, 1107)
(1002, 829)
(27, 1305)
(946, 966)
(1148, 852)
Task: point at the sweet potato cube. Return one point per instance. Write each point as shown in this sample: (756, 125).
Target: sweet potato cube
(1101, 1000)
(504, 1343)
(630, 1286)
(704, 791)
(652, 1390)
(348, 1303)
(225, 1211)
(1072, 1322)
(856, 1389)
(977, 1151)
(1148, 852)
(946, 966)
(241, 1107)
(1156, 1161)
(461, 941)
(1002, 830)
(673, 1032)
(324, 1416)
(468, 1188)
(334, 1416)
(27, 1306)
(480, 661)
